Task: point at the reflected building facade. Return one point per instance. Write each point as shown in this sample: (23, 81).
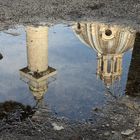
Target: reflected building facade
(110, 42)
(37, 71)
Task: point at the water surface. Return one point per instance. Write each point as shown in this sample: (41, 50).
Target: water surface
(76, 90)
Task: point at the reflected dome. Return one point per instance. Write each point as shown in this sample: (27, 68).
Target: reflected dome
(105, 39)
(110, 42)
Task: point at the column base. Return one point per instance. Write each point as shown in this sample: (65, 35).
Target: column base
(26, 74)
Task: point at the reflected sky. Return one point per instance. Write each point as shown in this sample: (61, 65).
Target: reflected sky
(75, 90)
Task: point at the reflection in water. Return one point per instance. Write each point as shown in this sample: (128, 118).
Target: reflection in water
(37, 72)
(110, 43)
(76, 91)
(133, 82)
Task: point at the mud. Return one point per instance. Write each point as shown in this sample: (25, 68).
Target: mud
(119, 120)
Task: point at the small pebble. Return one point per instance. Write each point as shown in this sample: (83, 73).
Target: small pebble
(127, 132)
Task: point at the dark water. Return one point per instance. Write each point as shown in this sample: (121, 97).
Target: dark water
(75, 90)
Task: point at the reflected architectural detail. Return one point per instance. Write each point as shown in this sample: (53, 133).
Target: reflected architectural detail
(110, 42)
(109, 68)
(37, 72)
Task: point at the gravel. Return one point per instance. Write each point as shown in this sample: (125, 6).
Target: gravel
(58, 11)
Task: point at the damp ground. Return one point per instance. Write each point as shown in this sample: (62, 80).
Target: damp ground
(58, 11)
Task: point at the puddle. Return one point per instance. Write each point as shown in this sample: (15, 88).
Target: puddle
(88, 65)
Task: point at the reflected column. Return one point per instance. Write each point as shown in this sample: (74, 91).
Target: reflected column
(37, 48)
(37, 71)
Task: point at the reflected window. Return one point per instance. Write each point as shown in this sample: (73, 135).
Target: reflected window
(115, 67)
(109, 66)
(108, 32)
